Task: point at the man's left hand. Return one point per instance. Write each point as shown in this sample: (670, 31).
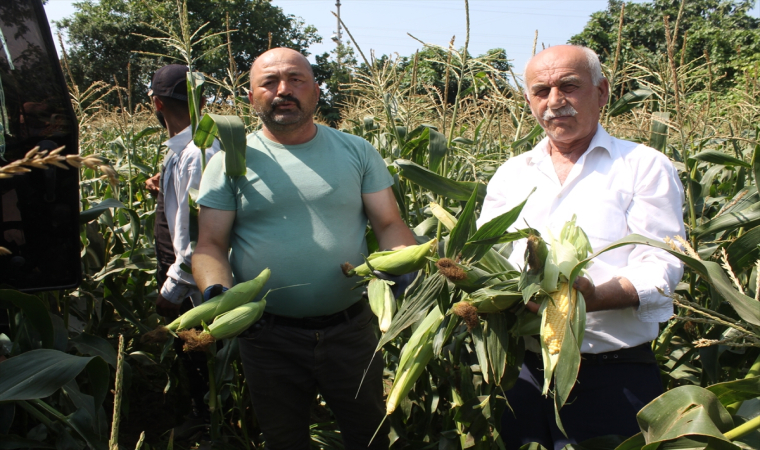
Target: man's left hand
(400, 282)
(153, 184)
(166, 308)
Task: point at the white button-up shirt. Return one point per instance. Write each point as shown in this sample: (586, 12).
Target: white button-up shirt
(182, 172)
(615, 188)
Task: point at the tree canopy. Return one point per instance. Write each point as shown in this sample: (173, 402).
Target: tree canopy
(721, 28)
(104, 37)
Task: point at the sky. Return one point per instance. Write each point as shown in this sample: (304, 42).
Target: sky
(382, 25)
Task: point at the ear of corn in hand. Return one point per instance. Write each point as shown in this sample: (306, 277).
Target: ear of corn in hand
(414, 357)
(561, 309)
(382, 302)
(237, 295)
(397, 262)
(225, 326)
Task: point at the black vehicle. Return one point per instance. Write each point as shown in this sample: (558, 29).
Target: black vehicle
(39, 217)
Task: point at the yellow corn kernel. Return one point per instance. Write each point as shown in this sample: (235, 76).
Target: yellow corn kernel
(557, 312)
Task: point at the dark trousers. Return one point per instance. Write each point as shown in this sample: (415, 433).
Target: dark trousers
(285, 366)
(604, 401)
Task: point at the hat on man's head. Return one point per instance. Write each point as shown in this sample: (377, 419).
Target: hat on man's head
(170, 81)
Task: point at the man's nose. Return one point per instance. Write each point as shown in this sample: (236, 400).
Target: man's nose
(283, 88)
(556, 98)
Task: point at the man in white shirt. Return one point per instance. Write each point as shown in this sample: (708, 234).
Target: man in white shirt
(181, 172)
(615, 188)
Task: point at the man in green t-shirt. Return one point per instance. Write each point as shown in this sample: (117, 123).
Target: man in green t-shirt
(302, 210)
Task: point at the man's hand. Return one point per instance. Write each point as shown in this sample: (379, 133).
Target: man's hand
(166, 308)
(153, 184)
(618, 293)
(400, 282)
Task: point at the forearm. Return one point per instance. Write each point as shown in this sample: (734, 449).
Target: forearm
(211, 266)
(394, 236)
(617, 293)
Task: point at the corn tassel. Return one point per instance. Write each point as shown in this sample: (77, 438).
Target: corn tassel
(414, 357)
(238, 295)
(382, 302)
(468, 279)
(397, 262)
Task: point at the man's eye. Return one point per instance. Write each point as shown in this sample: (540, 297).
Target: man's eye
(569, 88)
(541, 93)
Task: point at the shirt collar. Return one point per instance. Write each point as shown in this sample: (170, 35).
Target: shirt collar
(601, 139)
(179, 141)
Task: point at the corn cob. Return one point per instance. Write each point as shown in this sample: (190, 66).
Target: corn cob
(382, 302)
(414, 357)
(397, 262)
(239, 294)
(225, 326)
(557, 313)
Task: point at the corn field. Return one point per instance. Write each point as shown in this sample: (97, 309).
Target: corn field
(95, 383)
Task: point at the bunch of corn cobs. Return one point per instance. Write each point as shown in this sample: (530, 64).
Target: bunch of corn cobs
(478, 290)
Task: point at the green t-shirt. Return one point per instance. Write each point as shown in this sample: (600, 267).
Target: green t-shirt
(299, 212)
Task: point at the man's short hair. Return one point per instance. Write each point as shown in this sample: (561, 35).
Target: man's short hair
(592, 64)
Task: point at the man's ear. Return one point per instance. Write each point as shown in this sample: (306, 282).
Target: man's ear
(158, 103)
(604, 92)
(319, 91)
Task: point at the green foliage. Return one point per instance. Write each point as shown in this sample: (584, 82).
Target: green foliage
(721, 28)
(103, 38)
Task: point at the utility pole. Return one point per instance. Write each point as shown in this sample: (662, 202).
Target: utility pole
(337, 37)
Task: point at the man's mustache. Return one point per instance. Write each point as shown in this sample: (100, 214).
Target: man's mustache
(566, 110)
(287, 98)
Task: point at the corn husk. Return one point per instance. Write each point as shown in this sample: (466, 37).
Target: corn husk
(396, 262)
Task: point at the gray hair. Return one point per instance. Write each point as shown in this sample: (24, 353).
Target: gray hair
(592, 64)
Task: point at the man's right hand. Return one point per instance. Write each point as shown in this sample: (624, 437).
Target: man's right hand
(166, 308)
(153, 184)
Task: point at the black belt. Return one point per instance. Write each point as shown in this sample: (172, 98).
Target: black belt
(641, 354)
(318, 322)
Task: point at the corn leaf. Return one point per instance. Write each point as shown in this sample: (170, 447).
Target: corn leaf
(497, 337)
(40, 373)
(96, 210)
(455, 190)
(490, 233)
(747, 308)
(748, 217)
(743, 252)
(205, 133)
(35, 312)
(437, 149)
(716, 157)
(658, 137)
(230, 130)
(736, 390)
(89, 344)
(688, 412)
(628, 101)
(529, 138)
(415, 307)
(463, 229)
(478, 341)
